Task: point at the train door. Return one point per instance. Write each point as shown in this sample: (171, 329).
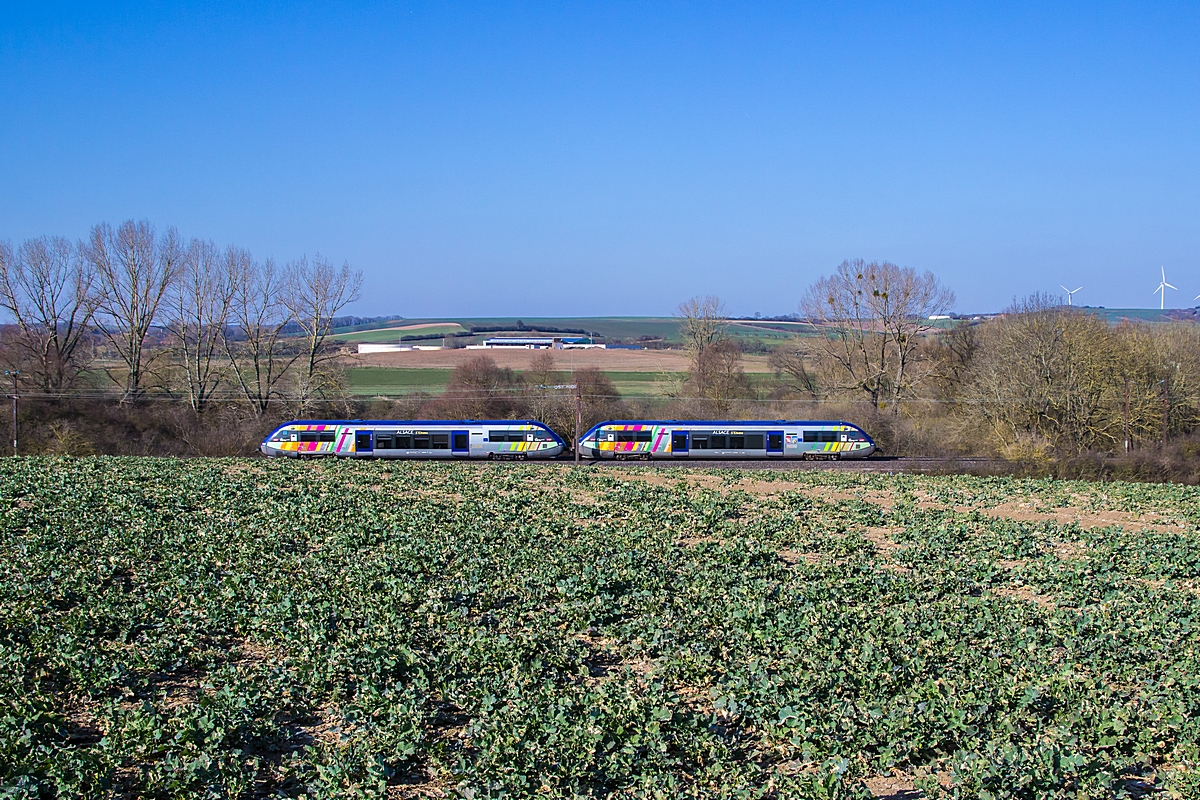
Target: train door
(460, 443)
(679, 443)
(774, 443)
(363, 443)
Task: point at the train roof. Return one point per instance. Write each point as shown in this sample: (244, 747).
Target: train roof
(416, 422)
(412, 422)
(735, 422)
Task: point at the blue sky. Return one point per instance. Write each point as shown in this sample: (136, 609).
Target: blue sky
(562, 159)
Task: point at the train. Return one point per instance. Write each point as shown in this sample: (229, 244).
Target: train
(725, 439)
(530, 439)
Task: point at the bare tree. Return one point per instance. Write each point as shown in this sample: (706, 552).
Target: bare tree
(791, 360)
(479, 389)
(871, 316)
(200, 305)
(46, 287)
(316, 292)
(555, 407)
(253, 341)
(1046, 373)
(704, 326)
(133, 271)
(719, 375)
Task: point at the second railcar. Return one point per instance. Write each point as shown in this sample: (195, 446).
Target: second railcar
(725, 439)
(419, 439)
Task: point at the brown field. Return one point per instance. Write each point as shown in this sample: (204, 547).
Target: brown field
(421, 326)
(607, 360)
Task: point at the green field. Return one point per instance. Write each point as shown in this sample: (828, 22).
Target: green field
(613, 328)
(393, 381)
(245, 628)
(388, 381)
(395, 335)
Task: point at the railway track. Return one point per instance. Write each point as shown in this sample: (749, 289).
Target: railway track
(872, 464)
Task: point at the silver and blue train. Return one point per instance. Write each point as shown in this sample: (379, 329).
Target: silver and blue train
(529, 439)
(721, 439)
(504, 439)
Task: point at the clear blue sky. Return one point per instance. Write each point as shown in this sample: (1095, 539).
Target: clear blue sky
(559, 159)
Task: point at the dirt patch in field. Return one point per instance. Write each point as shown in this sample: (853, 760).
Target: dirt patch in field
(876, 497)
(671, 361)
(882, 539)
(603, 660)
(691, 479)
(1028, 594)
(793, 557)
(655, 478)
(1028, 512)
(893, 787)
(1068, 551)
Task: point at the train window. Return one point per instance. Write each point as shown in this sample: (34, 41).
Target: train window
(643, 436)
(420, 441)
(383, 441)
(699, 441)
(505, 436)
(328, 436)
(626, 436)
(820, 436)
(737, 442)
(441, 441)
(310, 437)
(403, 441)
(754, 441)
(460, 441)
(543, 436)
(717, 442)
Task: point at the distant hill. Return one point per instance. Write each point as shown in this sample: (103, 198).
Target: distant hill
(1116, 315)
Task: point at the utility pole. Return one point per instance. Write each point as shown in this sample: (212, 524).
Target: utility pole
(15, 373)
(1166, 408)
(578, 418)
(1127, 415)
(578, 410)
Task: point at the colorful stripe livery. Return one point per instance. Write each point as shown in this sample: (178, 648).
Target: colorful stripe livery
(514, 439)
(726, 439)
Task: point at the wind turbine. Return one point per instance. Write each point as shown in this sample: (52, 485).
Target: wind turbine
(1162, 289)
(1069, 292)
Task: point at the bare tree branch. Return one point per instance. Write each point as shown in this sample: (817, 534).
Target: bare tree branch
(871, 316)
(133, 272)
(199, 309)
(46, 287)
(316, 292)
(253, 341)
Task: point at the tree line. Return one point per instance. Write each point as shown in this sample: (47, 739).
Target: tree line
(152, 314)
(134, 315)
(1041, 381)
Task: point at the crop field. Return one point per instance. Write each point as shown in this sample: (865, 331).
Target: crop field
(623, 328)
(396, 381)
(245, 628)
(395, 333)
(391, 381)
